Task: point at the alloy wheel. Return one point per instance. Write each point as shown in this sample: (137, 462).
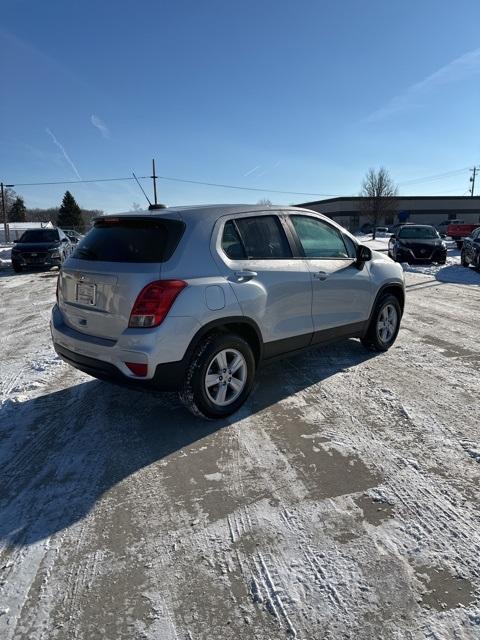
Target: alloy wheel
(225, 377)
(387, 323)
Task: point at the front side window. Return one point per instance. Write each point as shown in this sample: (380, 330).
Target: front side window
(319, 239)
(263, 238)
(351, 246)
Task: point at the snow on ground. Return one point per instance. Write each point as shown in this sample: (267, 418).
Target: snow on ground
(5, 255)
(342, 501)
(452, 271)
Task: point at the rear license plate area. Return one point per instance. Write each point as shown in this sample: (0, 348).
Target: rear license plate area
(86, 294)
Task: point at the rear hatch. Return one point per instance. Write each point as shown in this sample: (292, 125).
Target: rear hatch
(99, 284)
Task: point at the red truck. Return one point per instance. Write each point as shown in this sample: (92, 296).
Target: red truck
(459, 230)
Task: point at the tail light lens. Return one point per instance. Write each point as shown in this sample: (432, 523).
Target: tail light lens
(154, 302)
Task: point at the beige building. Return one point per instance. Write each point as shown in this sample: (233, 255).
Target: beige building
(421, 209)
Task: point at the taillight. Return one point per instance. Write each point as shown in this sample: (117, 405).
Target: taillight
(154, 302)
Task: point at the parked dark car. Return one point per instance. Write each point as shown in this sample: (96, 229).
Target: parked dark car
(73, 235)
(40, 249)
(470, 254)
(417, 243)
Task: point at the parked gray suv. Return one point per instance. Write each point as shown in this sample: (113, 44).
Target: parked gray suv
(195, 299)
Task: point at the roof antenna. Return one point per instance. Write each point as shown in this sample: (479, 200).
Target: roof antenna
(150, 204)
(156, 204)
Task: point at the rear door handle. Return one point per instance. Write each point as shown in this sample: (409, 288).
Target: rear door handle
(245, 275)
(320, 275)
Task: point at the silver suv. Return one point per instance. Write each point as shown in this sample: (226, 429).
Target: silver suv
(194, 299)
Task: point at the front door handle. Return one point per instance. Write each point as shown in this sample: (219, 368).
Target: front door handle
(320, 275)
(245, 275)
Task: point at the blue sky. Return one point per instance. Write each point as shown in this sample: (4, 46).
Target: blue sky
(297, 96)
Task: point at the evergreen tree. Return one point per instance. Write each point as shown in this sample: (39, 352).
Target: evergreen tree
(17, 211)
(69, 214)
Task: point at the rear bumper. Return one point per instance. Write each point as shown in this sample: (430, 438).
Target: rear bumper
(167, 377)
(105, 358)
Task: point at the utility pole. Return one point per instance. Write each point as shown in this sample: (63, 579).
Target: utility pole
(472, 180)
(4, 211)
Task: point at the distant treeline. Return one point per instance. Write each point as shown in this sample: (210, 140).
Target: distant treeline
(51, 215)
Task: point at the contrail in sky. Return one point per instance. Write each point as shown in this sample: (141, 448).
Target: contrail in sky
(64, 153)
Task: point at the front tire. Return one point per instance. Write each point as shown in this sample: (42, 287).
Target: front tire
(384, 324)
(463, 260)
(219, 377)
(17, 267)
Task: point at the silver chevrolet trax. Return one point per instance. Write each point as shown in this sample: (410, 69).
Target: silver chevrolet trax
(195, 299)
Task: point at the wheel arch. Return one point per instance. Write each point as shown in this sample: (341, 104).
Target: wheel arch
(395, 289)
(240, 325)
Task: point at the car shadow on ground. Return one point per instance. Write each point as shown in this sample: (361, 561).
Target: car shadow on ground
(62, 451)
(456, 274)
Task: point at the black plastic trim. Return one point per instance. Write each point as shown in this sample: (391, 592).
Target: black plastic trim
(168, 376)
(289, 346)
(383, 288)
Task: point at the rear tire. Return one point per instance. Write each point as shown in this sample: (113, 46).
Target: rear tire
(384, 324)
(211, 389)
(463, 260)
(17, 267)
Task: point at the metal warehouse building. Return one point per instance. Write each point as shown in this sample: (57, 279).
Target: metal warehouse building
(421, 209)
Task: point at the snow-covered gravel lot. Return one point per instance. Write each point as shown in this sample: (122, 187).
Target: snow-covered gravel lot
(341, 502)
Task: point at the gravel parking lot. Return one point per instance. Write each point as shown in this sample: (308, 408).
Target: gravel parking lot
(342, 501)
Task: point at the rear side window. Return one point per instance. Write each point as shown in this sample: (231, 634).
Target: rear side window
(231, 243)
(130, 240)
(263, 238)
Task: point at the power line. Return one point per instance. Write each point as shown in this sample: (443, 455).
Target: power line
(37, 184)
(436, 176)
(174, 179)
(231, 186)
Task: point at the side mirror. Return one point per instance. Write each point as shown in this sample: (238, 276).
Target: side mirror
(364, 254)
(64, 239)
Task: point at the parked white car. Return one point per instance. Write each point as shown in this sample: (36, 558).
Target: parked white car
(382, 232)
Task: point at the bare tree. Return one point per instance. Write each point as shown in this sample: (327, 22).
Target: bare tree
(378, 196)
(265, 202)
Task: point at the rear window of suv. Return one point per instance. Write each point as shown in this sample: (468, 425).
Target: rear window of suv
(129, 240)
